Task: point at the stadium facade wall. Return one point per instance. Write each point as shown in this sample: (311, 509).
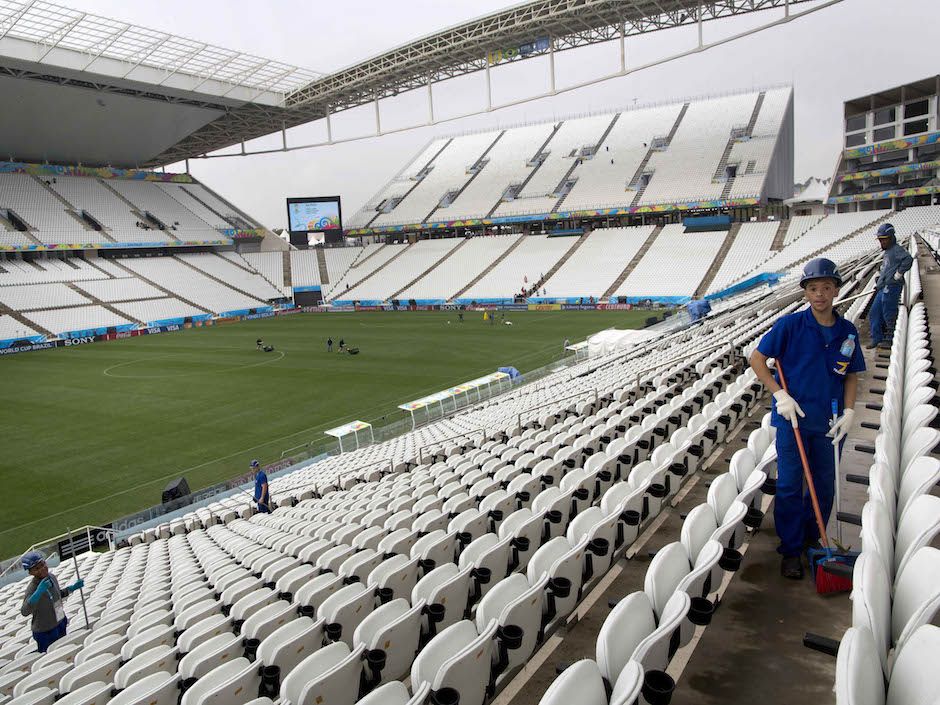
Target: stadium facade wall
(778, 184)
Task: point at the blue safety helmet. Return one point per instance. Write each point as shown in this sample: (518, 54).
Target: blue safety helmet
(31, 559)
(820, 268)
(255, 464)
(885, 230)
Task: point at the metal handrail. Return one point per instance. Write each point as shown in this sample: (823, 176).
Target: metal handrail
(444, 440)
(55, 540)
(550, 403)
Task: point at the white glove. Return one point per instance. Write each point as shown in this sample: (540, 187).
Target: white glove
(788, 408)
(898, 276)
(841, 426)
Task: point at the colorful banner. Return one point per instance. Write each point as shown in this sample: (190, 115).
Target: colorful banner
(544, 307)
(347, 428)
(878, 195)
(893, 145)
(13, 349)
(243, 233)
(518, 52)
(769, 278)
(560, 215)
(888, 171)
(111, 245)
(98, 172)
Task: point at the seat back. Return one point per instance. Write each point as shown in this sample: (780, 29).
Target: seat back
(917, 527)
(916, 593)
(655, 651)
(209, 655)
(871, 602)
(723, 491)
(394, 628)
(629, 623)
(580, 683)
(458, 657)
(290, 644)
(99, 668)
(915, 678)
(446, 585)
(161, 688)
(94, 693)
(160, 658)
(699, 526)
(667, 569)
(36, 696)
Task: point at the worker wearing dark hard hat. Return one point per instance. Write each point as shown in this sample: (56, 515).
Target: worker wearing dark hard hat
(818, 350)
(884, 309)
(43, 601)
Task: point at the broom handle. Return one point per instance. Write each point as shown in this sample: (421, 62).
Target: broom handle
(820, 524)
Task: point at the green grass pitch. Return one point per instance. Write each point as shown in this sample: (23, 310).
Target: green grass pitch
(93, 433)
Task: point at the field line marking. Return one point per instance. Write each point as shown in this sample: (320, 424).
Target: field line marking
(192, 374)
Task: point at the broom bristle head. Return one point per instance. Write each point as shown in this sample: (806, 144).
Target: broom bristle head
(830, 584)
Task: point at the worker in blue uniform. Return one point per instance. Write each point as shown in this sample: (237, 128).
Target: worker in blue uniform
(818, 350)
(884, 308)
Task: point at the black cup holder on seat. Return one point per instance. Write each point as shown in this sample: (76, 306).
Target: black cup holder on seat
(701, 611)
(658, 687)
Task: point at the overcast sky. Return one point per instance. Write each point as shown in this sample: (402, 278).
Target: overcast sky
(849, 49)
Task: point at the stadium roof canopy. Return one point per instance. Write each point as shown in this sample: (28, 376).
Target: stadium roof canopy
(98, 91)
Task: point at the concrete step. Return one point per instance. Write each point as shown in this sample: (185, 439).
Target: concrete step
(287, 274)
(101, 303)
(469, 181)
(216, 279)
(555, 267)
(321, 266)
(718, 261)
(417, 181)
(631, 265)
(430, 269)
(378, 269)
(20, 318)
(781, 235)
(488, 269)
(131, 273)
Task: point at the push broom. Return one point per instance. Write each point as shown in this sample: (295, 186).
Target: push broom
(832, 571)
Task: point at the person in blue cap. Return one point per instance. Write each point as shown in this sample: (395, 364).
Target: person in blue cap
(884, 309)
(43, 601)
(262, 494)
(818, 350)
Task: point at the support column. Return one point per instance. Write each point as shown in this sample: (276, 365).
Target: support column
(623, 48)
(700, 26)
(378, 119)
(489, 87)
(551, 62)
(329, 127)
(430, 104)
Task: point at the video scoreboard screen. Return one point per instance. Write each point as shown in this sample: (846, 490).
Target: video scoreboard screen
(306, 215)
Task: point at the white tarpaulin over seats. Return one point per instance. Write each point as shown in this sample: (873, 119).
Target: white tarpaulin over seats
(611, 340)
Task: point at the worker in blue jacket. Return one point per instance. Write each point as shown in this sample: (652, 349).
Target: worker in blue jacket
(820, 356)
(884, 309)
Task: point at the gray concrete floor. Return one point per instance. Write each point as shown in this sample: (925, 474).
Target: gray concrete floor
(753, 647)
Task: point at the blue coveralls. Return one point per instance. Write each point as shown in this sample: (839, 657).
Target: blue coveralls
(884, 309)
(262, 479)
(808, 353)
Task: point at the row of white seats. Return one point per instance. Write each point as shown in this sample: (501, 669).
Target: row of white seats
(884, 656)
